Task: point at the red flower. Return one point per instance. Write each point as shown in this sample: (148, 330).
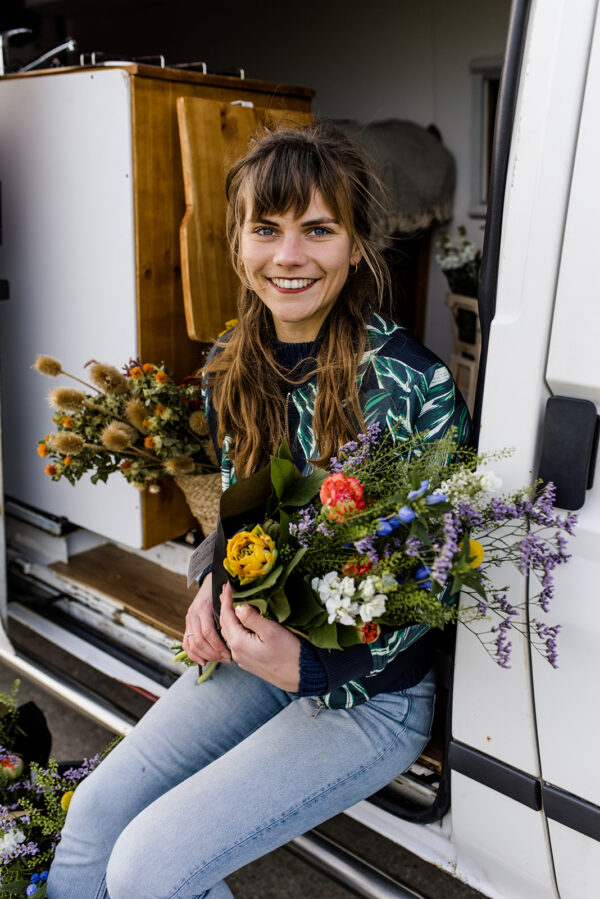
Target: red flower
(354, 567)
(341, 496)
(369, 632)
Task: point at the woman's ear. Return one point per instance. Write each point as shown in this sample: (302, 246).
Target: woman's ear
(355, 256)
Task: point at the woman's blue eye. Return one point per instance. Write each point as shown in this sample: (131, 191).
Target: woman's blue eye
(320, 232)
(264, 231)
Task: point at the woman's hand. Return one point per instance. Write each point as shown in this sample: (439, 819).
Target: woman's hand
(261, 646)
(201, 641)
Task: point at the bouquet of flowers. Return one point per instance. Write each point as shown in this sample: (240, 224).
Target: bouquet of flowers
(388, 539)
(34, 799)
(137, 422)
(460, 261)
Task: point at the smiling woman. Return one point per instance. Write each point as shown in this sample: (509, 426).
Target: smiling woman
(244, 760)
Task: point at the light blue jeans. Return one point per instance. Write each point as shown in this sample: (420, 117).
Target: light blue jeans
(216, 775)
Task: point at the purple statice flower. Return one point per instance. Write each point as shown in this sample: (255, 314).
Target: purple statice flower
(324, 529)
(305, 525)
(469, 516)
(503, 645)
(86, 767)
(500, 598)
(413, 546)
(445, 558)
(366, 546)
(482, 607)
(335, 465)
(547, 633)
(356, 452)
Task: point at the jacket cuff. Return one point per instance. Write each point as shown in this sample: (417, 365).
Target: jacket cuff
(313, 678)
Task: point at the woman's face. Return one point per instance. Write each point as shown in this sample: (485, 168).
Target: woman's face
(298, 266)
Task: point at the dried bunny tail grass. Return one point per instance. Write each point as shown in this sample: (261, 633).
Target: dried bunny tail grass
(67, 398)
(179, 465)
(136, 413)
(118, 436)
(67, 444)
(109, 379)
(46, 365)
(199, 423)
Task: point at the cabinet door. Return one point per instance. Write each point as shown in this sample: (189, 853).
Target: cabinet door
(213, 135)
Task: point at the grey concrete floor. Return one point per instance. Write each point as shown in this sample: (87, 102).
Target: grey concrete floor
(278, 874)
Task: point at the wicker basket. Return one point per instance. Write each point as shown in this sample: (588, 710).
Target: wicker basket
(202, 493)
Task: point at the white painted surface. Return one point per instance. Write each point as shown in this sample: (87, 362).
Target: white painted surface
(68, 252)
(500, 843)
(577, 860)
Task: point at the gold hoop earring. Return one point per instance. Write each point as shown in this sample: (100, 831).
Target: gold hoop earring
(355, 268)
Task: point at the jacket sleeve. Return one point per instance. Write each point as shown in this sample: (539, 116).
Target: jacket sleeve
(435, 408)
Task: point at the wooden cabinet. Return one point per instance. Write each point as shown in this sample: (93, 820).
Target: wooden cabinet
(93, 201)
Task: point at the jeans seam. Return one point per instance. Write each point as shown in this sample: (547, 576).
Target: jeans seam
(289, 813)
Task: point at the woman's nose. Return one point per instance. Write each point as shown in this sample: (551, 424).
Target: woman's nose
(289, 251)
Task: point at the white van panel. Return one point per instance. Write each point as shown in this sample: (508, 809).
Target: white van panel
(501, 849)
(493, 708)
(577, 860)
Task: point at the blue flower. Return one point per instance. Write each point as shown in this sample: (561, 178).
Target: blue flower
(422, 573)
(383, 527)
(417, 494)
(406, 515)
(31, 889)
(44, 876)
(34, 877)
(434, 498)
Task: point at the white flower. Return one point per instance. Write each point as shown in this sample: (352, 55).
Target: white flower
(342, 610)
(490, 482)
(374, 608)
(11, 839)
(367, 587)
(347, 586)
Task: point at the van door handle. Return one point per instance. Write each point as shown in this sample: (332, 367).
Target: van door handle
(569, 448)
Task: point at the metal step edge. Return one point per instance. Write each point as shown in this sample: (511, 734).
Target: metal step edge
(92, 655)
(348, 869)
(73, 695)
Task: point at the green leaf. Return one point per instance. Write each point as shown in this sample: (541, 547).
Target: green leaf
(283, 475)
(260, 604)
(324, 636)
(279, 605)
(269, 581)
(305, 606)
(284, 533)
(303, 489)
(347, 635)
(284, 452)
(292, 564)
(15, 886)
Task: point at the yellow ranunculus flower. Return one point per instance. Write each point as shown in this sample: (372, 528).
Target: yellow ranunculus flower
(250, 555)
(66, 800)
(476, 553)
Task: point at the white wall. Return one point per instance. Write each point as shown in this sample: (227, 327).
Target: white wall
(366, 61)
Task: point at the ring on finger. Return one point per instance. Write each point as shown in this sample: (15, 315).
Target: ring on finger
(190, 635)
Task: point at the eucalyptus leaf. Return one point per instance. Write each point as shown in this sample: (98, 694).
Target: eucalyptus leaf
(283, 475)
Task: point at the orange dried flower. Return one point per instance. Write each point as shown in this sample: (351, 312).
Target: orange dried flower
(159, 409)
(149, 442)
(161, 377)
(67, 460)
(42, 450)
(148, 367)
(67, 422)
(50, 470)
(145, 423)
(125, 464)
(135, 372)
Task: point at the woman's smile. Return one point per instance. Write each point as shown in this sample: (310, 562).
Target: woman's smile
(298, 265)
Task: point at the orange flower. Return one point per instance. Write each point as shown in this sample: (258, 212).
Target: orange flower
(125, 464)
(161, 377)
(354, 567)
(67, 423)
(149, 442)
(50, 470)
(341, 496)
(42, 450)
(145, 423)
(369, 632)
(159, 409)
(148, 367)
(135, 372)
(47, 437)
(67, 460)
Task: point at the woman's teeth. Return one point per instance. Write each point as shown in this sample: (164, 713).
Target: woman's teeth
(292, 283)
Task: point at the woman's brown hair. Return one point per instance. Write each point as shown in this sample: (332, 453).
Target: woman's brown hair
(279, 173)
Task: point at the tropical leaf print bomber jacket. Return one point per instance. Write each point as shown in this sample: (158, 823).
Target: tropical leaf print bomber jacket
(406, 388)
